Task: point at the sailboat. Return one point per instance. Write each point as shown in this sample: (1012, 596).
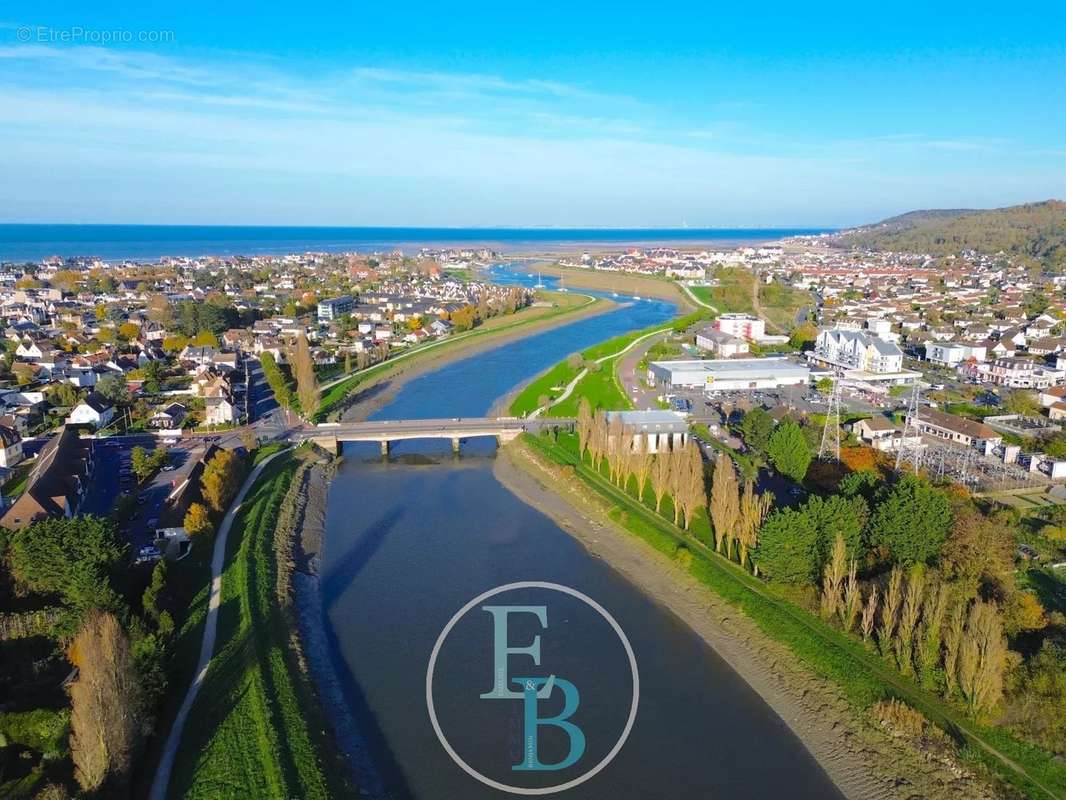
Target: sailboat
(540, 283)
(561, 287)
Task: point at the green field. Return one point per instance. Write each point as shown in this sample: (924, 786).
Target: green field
(334, 397)
(601, 385)
(860, 673)
(249, 733)
(734, 294)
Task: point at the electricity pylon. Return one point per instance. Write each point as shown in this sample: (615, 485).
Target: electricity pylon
(830, 449)
(908, 451)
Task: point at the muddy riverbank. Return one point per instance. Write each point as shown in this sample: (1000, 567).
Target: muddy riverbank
(863, 760)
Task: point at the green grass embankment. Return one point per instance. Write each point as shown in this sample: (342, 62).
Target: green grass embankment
(861, 674)
(334, 397)
(248, 734)
(601, 385)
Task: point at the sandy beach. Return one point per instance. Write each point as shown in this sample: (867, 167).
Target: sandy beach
(865, 761)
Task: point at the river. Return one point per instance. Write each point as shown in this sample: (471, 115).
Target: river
(411, 540)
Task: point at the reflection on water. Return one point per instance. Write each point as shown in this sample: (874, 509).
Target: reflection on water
(412, 539)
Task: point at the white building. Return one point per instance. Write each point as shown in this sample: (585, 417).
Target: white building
(854, 350)
(661, 430)
(730, 375)
(1021, 373)
(93, 410)
(720, 343)
(743, 326)
(950, 354)
(10, 447)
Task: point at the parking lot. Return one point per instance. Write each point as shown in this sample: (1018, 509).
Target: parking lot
(114, 479)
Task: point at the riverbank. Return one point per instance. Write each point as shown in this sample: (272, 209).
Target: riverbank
(622, 282)
(860, 757)
(380, 389)
(304, 546)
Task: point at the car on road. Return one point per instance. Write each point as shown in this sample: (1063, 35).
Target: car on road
(169, 468)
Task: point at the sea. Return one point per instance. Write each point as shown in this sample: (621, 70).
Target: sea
(22, 243)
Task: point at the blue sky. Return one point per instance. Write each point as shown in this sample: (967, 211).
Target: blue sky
(481, 114)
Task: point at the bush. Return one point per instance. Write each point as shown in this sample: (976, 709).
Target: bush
(42, 730)
(901, 719)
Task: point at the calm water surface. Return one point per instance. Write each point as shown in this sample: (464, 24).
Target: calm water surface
(411, 540)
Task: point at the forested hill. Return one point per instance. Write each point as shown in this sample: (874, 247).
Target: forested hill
(1036, 231)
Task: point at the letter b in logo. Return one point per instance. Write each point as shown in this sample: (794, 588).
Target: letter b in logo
(571, 701)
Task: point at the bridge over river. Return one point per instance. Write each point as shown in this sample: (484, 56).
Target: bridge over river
(330, 435)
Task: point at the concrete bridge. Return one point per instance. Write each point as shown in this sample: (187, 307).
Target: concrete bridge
(329, 435)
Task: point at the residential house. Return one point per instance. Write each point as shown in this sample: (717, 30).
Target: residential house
(10, 447)
(93, 410)
(169, 418)
(57, 482)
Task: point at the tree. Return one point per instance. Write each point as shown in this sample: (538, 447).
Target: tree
(757, 427)
(347, 363)
(804, 336)
(152, 374)
(982, 657)
(693, 493)
(197, 520)
(1036, 704)
(62, 394)
(303, 367)
(660, 478)
(824, 385)
(911, 521)
(220, 479)
(128, 331)
(835, 516)
(725, 503)
(978, 549)
(787, 550)
(112, 387)
(833, 578)
(105, 700)
(71, 557)
(788, 451)
(278, 382)
(1021, 402)
(175, 343)
(583, 425)
(205, 338)
(753, 509)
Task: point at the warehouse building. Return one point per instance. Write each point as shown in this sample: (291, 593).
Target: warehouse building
(732, 375)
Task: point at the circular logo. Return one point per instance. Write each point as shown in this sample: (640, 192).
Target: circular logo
(530, 691)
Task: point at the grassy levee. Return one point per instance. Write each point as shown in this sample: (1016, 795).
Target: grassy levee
(334, 396)
(601, 385)
(861, 674)
(248, 735)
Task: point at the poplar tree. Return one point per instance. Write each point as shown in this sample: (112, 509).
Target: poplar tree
(677, 481)
(753, 510)
(953, 633)
(982, 657)
(725, 510)
(693, 492)
(893, 597)
(583, 426)
(303, 368)
(908, 621)
(642, 465)
(869, 613)
(852, 605)
(833, 578)
(930, 635)
(660, 478)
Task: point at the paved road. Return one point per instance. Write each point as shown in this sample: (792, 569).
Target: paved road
(161, 782)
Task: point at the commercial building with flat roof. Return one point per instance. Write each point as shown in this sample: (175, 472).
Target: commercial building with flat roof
(730, 375)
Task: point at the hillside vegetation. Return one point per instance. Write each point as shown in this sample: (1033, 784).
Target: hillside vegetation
(1034, 231)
